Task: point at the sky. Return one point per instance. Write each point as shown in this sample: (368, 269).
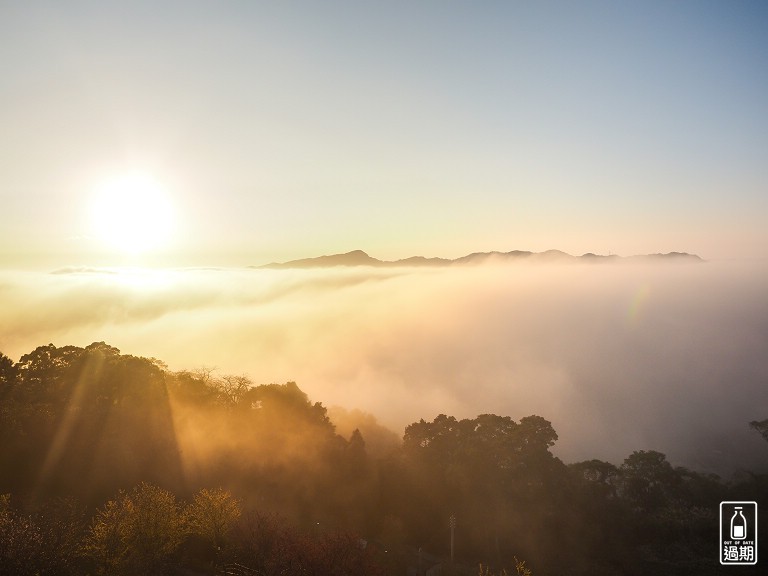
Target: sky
(279, 130)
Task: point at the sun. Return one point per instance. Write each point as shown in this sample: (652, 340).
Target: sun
(132, 214)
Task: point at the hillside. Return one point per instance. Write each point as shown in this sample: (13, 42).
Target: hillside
(180, 471)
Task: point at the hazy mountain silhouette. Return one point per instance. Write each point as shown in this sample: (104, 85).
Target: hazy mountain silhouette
(354, 258)
(360, 258)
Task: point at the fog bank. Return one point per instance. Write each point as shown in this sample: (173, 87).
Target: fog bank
(620, 357)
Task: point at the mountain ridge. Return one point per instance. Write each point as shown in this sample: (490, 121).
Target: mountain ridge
(361, 258)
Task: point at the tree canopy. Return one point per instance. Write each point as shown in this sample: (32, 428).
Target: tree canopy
(177, 467)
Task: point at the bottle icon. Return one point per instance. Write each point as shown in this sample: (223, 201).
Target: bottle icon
(738, 525)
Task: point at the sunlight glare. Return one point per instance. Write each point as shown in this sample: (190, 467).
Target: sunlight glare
(132, 214)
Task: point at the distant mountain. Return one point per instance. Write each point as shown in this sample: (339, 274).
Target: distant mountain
(670, 256)
(360, 258)
(354, 258)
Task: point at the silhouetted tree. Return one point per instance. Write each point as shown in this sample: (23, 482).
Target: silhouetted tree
(8, 373)
(90, 422)
(601, 477)
(648, 479)
(496, 474)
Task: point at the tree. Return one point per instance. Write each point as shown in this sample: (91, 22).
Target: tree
(493, 472)
(138, 532)
(8, 373)
(21, 542)
(212, 515)
(9, 424)
(108, 540)
(46, 372)
(232, 389)
(287, 401)
(270, 546)
(601, 476)
(45, 542)
(157, 526)
(648, 479)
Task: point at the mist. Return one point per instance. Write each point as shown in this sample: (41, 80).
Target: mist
(619, 357)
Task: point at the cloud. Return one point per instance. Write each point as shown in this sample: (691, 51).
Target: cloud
(619, 358)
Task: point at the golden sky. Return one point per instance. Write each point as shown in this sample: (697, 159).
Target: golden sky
(272, 131)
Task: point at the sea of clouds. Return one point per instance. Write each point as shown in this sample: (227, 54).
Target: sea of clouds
(618, 356)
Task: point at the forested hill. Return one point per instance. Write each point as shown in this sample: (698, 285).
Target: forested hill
(87, 423)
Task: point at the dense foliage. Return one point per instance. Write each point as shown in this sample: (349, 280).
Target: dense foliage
(112, 464)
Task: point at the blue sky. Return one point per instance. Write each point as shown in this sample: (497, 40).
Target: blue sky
(289, 129)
